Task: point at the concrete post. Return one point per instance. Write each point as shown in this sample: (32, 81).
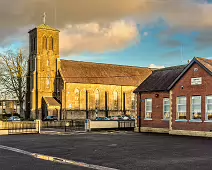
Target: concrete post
(87, 125)
(37, 125)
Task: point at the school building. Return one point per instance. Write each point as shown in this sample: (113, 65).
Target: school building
(177, 100)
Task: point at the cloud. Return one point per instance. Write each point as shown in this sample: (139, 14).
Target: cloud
(20, 15)
(153, 66)
(97, 38)
(145, 34)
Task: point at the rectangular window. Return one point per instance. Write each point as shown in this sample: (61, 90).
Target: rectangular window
(181, 107)
(196, 107)
(148, 108)
(208, 107)
(166, 108)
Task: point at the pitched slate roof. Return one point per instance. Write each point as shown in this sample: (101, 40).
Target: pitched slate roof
(95, 73)
(160, 79)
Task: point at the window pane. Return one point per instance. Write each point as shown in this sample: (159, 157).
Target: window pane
(166, 101)
(166, 108)
(181, 100)
(149, 102)
(196, 99)
(148, 108)
(181, 108)
(196, 108)
(209, 99)
(209, 108)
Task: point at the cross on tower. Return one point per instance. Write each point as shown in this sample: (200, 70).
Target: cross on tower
(44, 18)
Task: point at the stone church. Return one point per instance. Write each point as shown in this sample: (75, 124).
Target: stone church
(73, 89)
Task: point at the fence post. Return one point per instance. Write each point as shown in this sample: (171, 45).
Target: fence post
(38, 126)
(87, 125)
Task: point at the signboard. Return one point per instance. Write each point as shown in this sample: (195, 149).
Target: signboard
(196, 81)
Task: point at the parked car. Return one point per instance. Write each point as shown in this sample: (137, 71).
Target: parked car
(113, 118)
(51, 118)
(102, 118)
(131, 118)
(125, 117)
(14, 118)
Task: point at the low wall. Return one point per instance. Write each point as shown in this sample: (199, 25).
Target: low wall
(174, 132)
(154, 130)
(103, 124)
(190, 133)
(111, 124)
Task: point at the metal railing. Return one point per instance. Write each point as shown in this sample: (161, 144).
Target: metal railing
(68, 125)
(126, 124)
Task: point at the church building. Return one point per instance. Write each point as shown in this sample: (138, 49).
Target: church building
(76, 90)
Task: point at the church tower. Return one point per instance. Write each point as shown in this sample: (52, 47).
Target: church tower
(42, 67)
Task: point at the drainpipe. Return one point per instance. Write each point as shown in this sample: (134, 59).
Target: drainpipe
(139, 111)
(170, 114)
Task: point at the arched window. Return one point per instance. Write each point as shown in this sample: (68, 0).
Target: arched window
(97, 99)
(133, 101)
(115, 100)
(51, 43)
(48, 81)
(77, 99)
(44, 43)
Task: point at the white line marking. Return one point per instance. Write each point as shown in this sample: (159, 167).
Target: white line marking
(56, 159)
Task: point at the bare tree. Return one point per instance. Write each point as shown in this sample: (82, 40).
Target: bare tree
(13, 75)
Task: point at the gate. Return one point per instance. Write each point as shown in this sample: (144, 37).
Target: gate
(126, 125)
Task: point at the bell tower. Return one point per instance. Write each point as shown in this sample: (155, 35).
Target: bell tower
(42, 67)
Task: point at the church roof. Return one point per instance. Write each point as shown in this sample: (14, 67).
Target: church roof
(95, 73)
(44, 26)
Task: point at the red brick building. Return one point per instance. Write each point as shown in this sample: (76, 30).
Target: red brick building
(191, 94)
(153, 99)
(177, 100)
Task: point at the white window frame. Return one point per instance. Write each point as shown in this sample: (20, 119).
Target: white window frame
(178, 113)
(164, 112)
(149, 112)
(206, 110)
(192, 118)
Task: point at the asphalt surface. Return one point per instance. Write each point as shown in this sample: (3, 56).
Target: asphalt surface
(15, 161)
(122, 151)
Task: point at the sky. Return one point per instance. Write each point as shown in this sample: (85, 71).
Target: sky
(124, 32)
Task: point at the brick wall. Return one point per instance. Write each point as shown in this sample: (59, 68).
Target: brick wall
(157, 110)
(191, 90)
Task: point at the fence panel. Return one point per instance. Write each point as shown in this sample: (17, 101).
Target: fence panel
(68, 125)
(126, 124)
(20, 127)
